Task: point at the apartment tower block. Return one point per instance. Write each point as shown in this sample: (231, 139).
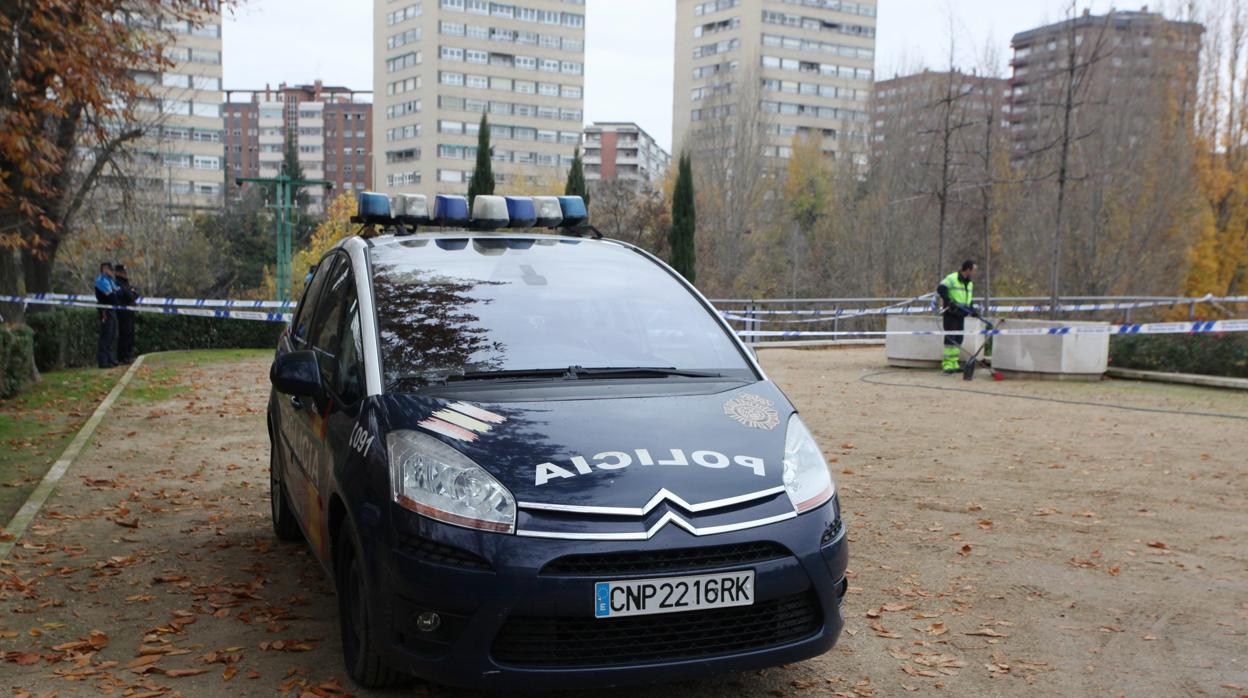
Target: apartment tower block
(331, 127)
(806, 64)
(439, 65)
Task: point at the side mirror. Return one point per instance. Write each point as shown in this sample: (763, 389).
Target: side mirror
(296, 373)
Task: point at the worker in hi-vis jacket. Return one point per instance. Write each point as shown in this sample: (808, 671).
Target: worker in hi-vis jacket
(956, 292)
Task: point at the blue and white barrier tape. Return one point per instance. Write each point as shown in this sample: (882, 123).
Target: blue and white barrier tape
(177, 302)
(760, 314)
(1204, 327)
(162, 309)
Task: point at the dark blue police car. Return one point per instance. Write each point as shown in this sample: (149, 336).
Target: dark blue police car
(532, 459)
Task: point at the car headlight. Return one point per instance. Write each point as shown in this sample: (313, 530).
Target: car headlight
(435, 480)
(806, 476)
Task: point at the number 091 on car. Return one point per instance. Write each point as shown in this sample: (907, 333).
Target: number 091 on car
(642, 597)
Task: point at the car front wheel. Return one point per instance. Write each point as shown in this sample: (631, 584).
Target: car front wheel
(358, 652)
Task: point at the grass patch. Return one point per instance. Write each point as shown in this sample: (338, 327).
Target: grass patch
(163, 376)
(36, 426)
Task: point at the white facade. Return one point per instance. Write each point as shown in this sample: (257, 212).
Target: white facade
(625, 152)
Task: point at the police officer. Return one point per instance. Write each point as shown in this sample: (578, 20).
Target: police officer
(126, 296)
(956, 292)
(106, 294)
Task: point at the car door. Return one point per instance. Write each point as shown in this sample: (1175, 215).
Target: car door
(328, 422)
(308, 415)
(290, 409)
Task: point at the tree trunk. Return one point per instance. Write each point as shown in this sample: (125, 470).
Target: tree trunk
(10, 285)
(37, 268)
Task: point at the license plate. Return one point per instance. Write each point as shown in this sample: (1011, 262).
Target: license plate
(641, 597)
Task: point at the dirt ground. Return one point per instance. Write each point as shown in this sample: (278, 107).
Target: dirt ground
(999, 546)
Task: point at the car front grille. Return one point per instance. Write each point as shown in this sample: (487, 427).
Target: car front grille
(664, 561)
(593, 642)
(440, 553)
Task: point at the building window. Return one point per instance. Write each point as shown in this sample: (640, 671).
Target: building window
(410, 36)
(402, 15)
(403, 62)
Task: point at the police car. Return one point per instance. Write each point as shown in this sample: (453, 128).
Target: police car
(532, 458)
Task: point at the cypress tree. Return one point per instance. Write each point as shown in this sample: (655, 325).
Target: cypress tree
(292, 168)
(576, 178)
(482, 174)
(684, 220)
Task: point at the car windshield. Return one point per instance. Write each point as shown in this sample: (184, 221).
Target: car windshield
(465, 308)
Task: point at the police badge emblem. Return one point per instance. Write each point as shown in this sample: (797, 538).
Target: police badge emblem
(753, 411)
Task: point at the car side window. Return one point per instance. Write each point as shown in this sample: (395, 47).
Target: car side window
(327, 329)
(304, 314)
(351, 354)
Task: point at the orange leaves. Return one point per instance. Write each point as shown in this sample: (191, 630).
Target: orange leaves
(289, 645)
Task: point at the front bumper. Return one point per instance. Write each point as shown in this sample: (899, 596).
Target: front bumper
(505, 622)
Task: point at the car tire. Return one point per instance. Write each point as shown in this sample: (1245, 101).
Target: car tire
(284, 523)
(364, 665)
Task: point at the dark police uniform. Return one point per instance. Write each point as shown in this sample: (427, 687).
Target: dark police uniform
(106, 294)
(126, 296)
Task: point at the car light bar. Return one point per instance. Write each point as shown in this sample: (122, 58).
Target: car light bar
(488, 212)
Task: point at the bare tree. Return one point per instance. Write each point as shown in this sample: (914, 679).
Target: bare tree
(733, 176)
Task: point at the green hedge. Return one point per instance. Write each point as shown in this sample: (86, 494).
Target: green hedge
(66, 337)
(1207, 354)
(16, 359)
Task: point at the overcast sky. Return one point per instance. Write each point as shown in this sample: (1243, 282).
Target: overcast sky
(628, 45)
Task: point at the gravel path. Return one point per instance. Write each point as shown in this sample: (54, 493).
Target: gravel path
(999, 546)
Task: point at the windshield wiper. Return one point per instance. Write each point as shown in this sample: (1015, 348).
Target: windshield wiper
(640, 372)
(580, 372)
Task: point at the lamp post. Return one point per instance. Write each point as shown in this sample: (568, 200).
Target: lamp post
(283, 187)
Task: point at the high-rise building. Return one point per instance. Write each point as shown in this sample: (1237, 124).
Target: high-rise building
(806, 65)
(179, 161)
(439, 65)
(908, 111)
(623, 151)
(1131, 63)
(331, 127)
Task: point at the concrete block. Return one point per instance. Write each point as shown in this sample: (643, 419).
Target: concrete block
(1065, 355)
(924, 351)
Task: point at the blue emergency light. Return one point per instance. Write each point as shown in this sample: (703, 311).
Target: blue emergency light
(574, 211)
(450, 209)
(373, 207)
(520, 212)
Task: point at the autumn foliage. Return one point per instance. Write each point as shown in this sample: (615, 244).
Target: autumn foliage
(67, 85)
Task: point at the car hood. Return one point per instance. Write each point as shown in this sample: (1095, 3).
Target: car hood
(625, 453)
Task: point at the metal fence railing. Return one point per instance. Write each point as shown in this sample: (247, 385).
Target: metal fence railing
(798, 315)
